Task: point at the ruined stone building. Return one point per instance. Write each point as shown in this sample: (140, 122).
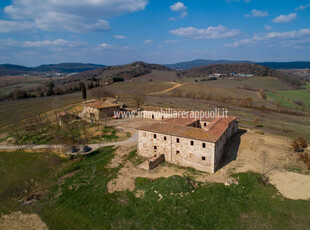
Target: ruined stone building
(99, 110)
(188, 142)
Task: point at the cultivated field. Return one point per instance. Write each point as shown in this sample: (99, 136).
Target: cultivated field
(132, 88)
(266, 83)
(295, 99)
(11, 83)
(14, 111)
(158, 76)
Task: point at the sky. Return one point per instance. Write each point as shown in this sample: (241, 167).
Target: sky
(112, 32)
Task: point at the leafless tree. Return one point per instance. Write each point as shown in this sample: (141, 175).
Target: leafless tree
(138, 100)
(100, 93)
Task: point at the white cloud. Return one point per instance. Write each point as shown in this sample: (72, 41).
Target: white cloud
(15, 26)
(44, 43)
(303, 7)
(75, 16)
(172, 19)
(208, 33)
(106, 46)
(57, 42)
(148, 41)
(285, 18)
(178, 6)
(183, 15)
(257, 13)
(267, 27)
(119, 37)
(292, 36)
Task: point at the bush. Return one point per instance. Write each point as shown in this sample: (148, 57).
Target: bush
(299, 144)
(118, 79)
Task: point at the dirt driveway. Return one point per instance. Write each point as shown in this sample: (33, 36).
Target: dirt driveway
(249, 151)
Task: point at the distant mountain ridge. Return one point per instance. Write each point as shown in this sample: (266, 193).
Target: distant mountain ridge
(9, 69)
(200, 62)
(286, 65)
(273, 65)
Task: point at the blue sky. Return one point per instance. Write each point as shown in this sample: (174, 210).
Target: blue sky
(112, 32)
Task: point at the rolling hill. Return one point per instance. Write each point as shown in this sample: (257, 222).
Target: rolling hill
(125, 72)
(199, 62)
(246, 68)
(286, 65)
(274, 65)
(8, 69)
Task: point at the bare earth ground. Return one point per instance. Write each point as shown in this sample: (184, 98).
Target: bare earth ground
(261, 153)
(22, 221)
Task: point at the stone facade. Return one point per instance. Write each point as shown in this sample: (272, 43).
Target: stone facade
(203, 155)
(155, 115)
(99, 110)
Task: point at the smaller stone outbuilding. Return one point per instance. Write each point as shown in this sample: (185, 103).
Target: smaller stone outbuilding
(99, 110)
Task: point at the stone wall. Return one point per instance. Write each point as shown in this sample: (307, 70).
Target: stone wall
(182, 153)
(201, 155)
(97, 114)
(220, 144)
(155, 161)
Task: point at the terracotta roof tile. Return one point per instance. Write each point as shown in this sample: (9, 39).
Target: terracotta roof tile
(175, 127)
(102, 105)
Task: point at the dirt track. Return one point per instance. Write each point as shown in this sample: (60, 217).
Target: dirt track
(176, 85)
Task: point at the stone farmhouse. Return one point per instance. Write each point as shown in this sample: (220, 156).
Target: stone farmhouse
(189, 142)
(99, 110)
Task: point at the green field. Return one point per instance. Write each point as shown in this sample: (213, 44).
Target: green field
(287, 97)
(78, 199)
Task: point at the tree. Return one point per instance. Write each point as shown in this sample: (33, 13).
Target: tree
(138, 100)
(100, 93)
(83, 89)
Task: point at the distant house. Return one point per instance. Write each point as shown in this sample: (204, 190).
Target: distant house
(99, 110)
(216, 75)
(196, 143)
(241, 75)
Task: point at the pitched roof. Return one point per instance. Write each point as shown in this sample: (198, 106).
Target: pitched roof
(111, 100)
(102, 105)
(175, 127)
(181, 121)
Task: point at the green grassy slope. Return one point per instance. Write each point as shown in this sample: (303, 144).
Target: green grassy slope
(287, 97)
(81, 201)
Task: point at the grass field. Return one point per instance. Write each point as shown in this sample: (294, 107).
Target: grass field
(132, 88)
(266, 83)
(78, 199)
(158, 76)
(199, 89)
(287, 97)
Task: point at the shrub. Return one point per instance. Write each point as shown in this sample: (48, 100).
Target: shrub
(299, 144)
(118, 79)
